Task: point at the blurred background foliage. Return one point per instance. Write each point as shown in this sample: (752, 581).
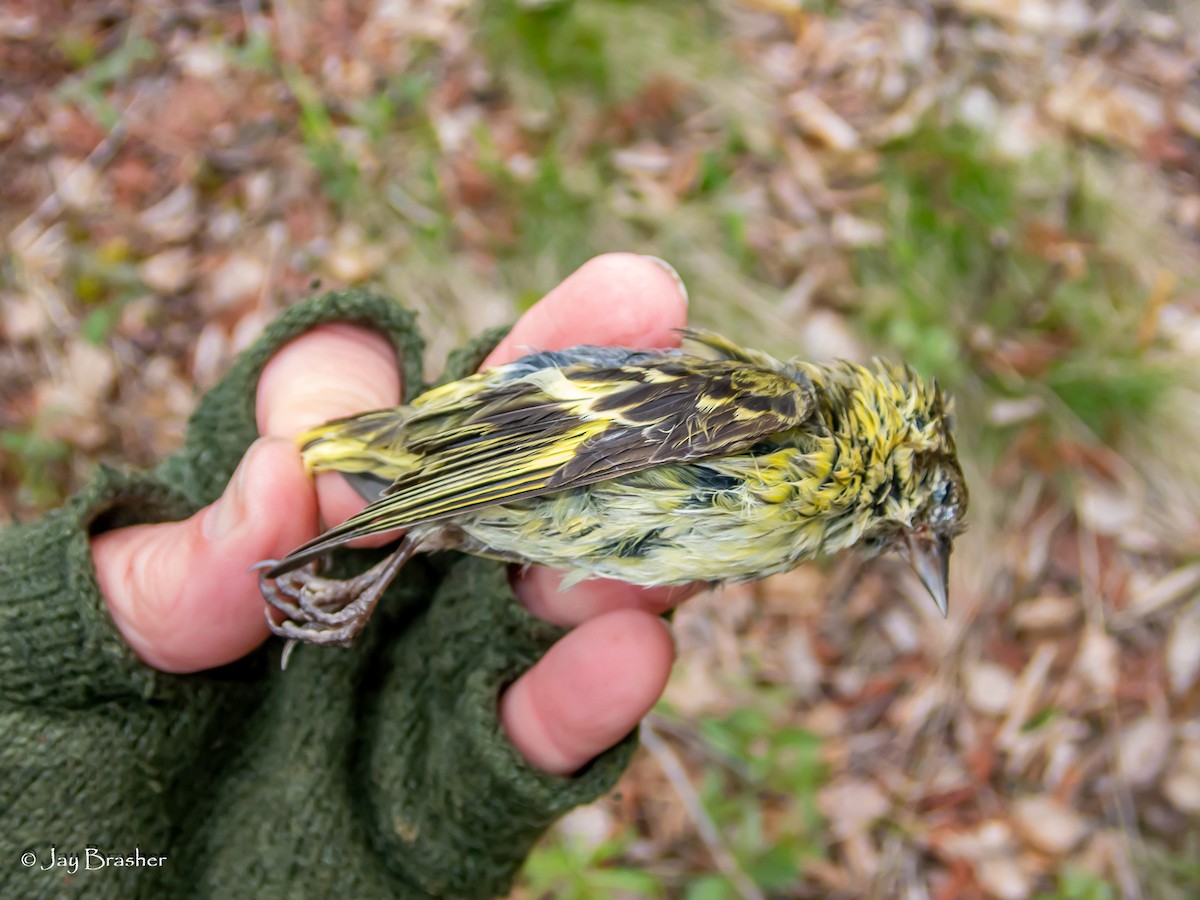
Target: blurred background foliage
(1004, 194)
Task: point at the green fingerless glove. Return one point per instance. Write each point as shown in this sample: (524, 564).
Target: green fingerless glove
(376, 771)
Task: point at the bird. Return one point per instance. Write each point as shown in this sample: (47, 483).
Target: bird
(655, 467)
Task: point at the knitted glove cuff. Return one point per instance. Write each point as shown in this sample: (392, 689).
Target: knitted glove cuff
(467, 807)
(60, 644)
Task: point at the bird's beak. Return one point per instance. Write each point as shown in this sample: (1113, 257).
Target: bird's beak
(929, 555)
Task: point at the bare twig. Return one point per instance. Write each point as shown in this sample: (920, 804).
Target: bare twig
(36, 222)
(671, 766)
(1116, 796)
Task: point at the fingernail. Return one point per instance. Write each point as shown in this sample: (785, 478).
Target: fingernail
(224, 516)
(683, 291)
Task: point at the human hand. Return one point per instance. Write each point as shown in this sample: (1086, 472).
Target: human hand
(183, 596)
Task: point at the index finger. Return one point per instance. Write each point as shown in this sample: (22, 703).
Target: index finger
(332, 371)
(614, 300)
(620, 300)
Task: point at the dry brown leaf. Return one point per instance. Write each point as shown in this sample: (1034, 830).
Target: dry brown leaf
(1181, 784)
(240, 278)
(174, 218)
(1048, 825)
(1143, 747)
(1046, 613)
(210, 355)
(1059, 17)
(77, 183)
(1029, 688)
(1153, 596)
(352, 258)
(168, 272)
(1183, 649)
(1003, 878)
(1089, 100)
(827, 335)
(991, 850)
(852, 806)
(989, 687)
(694, 691)
(818, 120)
(587, 826)
(1106, 508)
(1098, 661)
(22, 318)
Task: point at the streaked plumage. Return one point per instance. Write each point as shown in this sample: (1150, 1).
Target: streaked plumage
(655, 468)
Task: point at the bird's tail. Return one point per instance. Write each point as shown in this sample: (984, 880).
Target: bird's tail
(369, 444)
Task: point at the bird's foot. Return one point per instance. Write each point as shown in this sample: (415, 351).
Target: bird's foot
(321, 610)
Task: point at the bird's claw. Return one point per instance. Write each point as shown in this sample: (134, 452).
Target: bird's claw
(319, 610)
(326, 611)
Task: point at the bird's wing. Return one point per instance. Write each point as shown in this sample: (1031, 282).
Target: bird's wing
(559, 428)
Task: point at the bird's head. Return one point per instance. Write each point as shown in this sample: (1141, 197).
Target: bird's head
(916, 492)
(926, 541)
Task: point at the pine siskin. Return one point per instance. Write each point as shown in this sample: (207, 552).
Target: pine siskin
(655, 468)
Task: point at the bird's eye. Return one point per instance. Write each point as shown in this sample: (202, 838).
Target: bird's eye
(872, 544)
(945, 503)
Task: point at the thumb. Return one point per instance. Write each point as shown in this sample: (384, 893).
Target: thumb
(589, 690)
(182, 593)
